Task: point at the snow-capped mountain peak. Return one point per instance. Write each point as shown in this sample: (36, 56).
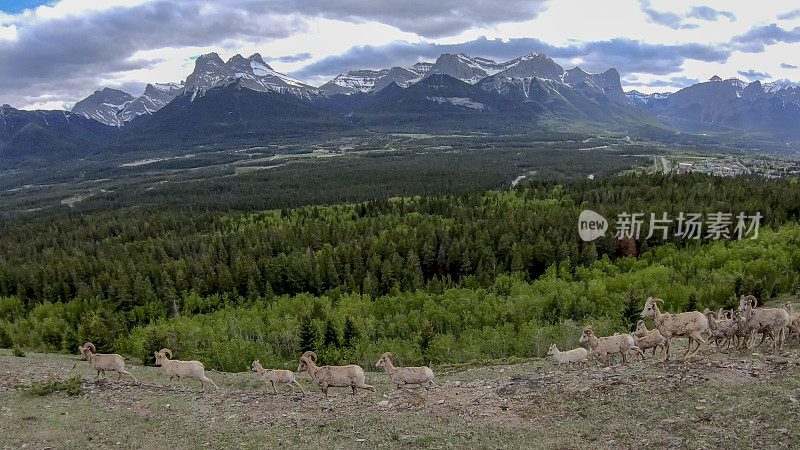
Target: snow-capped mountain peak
(253, 73)
(155, 97)
(104, 106)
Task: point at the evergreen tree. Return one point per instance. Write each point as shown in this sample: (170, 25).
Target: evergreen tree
(331, 336)
(308, 334)
(426, 334)
(350, 334)
(252, 289)
(632, 312)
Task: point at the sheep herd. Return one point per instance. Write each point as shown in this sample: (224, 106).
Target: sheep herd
(724, 328)
(351, 376)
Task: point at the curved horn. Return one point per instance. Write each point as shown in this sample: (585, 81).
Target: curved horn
(164, 351)
(90, 345)
(641, 322)
(748, 299)
(311, 355)
(387, 355)
(658, 300)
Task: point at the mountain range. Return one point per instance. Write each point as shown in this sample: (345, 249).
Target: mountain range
(732, 104)
(511, 79)
(244, 101)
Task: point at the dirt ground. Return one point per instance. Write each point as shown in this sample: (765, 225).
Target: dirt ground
(735, 399)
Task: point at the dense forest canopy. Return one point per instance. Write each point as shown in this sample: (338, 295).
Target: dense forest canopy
(424, 272)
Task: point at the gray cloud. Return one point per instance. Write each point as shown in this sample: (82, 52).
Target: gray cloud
(710, 14)
(678, 21)
(787, 66)
(668, 19)
(624, 54)
(679, 81)
(428, 18)
(757, 38)
(290, 58)
(68, 57)
(794, 14)
(753, 75)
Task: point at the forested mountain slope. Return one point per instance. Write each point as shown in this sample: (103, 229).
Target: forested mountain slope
(98, 277)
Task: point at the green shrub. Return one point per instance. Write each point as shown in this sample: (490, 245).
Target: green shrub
(155, 340)
(18, 352)
(5, 338)
(71, 387)
(11, 308)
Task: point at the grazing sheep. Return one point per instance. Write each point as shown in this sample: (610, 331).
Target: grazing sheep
(182, 369)
(691, 324)
(773, 322)
(645, 338)
(102, 362)
(333, 376)
(606, 346)
(402, 376)
(575, 356)
(272, 376)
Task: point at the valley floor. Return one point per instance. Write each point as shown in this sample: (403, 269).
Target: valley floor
(735, 399)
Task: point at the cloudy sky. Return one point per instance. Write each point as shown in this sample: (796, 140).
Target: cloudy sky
(53, 53)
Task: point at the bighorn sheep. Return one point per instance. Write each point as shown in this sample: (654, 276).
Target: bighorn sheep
(102, 362)
(272, 376)
(691, 324)
(794, 322)
(569, 357)
(742, 330)
(773, 322)
(402, 376)
(182, 369)
(333, 376)
(606, 346)
(720, 327)
(645, 338)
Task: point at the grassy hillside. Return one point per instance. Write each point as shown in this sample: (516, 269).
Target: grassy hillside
(735, 400)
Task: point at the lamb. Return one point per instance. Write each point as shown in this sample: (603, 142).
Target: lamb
(606, 346)
(575, 356)
(102, 362)
(721, 328)
(773, 322)
(333, 376)
(182, 369)
(645, 338)
(273, 376)
(691, 324)
(405, 375)
(742, 330)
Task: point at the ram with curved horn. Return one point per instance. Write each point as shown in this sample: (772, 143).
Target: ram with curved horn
(333, 376)
(691, 324)
(182, 369)
(772, 322)
(103, 362)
